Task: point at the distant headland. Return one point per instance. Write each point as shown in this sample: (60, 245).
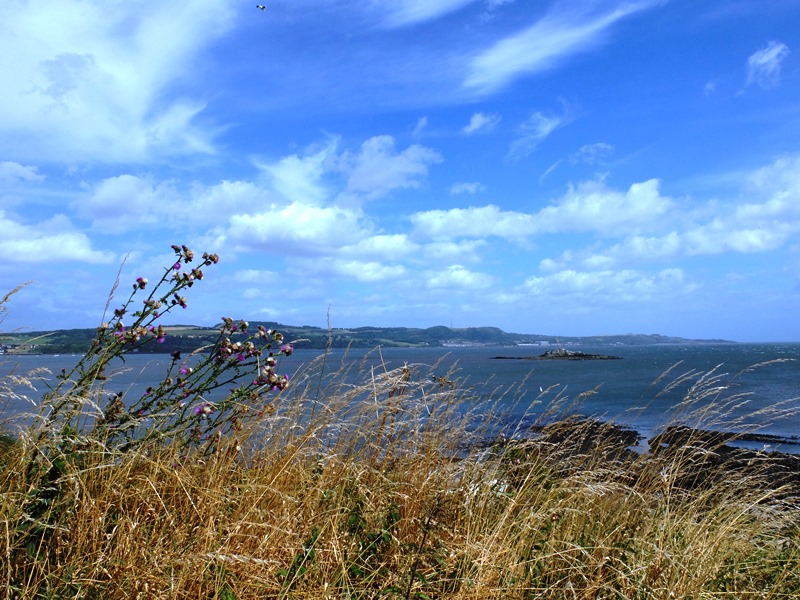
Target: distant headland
(186, 338)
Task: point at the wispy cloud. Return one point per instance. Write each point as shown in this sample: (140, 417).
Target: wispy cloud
(409, 12)
(481, 122)
(592, 154)
(472, 187)
(764, 66)
(562, 32)
(95, 82)
(533, 132)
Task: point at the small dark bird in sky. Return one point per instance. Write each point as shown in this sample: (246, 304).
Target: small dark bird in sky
(261, 6)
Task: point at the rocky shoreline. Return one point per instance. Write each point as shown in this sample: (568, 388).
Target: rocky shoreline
(692, 458)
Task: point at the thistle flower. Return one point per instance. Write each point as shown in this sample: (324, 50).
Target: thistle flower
(204, 409)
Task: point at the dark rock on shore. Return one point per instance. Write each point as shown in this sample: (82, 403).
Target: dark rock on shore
(685, 458)
(561, 354)
(709, 457)
(579, 435)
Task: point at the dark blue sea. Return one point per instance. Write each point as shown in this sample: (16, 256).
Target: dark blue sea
(757, 385)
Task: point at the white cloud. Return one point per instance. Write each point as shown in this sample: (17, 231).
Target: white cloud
(589, 287)
(51, 241)
(531, 133)
(11, 172)
(379, 168)
(258, 276)
(471, 187)
(357, 270)
(124, 203)
(481, 123)
(474, 222)
(457, 277)
(593, 206)
(299, 178)
(769, 220)
(562, 32)
(422, 124)
(493, 4)
(93, 81)
(590, 206)
(381, 247)
(410, 12)
(298, 228)
(592, 154)
(129, 202)
(764, 66)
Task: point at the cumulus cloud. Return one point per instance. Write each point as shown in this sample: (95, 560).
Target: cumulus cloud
(12, 172)
(481, 122)
(590, 206)
(123, 203)
(764, 65)
(300, 178)
(593, 206)
(606, 285)
(129, 202)
(474, 222)
(562, 32)
(51, 241)
(381, 247)
(296, 229)
(767, 221)
(355, 270)
(457, 277)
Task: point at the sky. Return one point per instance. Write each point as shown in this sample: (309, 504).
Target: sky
(560, 167)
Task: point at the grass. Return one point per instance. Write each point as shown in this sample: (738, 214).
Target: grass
(375, 485)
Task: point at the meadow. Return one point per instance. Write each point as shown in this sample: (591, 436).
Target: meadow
(370, 483)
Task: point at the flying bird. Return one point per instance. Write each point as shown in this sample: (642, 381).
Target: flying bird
(261, 6)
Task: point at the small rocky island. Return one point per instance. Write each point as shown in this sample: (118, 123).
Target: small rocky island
(561, 354)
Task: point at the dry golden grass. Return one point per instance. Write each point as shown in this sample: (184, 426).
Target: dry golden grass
(374, 485)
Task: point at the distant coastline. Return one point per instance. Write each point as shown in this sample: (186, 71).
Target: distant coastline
(186, 338)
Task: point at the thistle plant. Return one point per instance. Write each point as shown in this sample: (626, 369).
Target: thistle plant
(186, 407)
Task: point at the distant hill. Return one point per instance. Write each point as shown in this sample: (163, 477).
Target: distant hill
(186, 338)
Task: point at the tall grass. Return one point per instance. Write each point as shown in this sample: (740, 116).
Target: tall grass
(376, 483)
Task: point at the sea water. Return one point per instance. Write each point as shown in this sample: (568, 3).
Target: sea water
(629, 391)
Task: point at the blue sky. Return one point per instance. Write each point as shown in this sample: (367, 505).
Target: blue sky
(567, 167)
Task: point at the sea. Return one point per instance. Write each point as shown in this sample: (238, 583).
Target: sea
(756, 387)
